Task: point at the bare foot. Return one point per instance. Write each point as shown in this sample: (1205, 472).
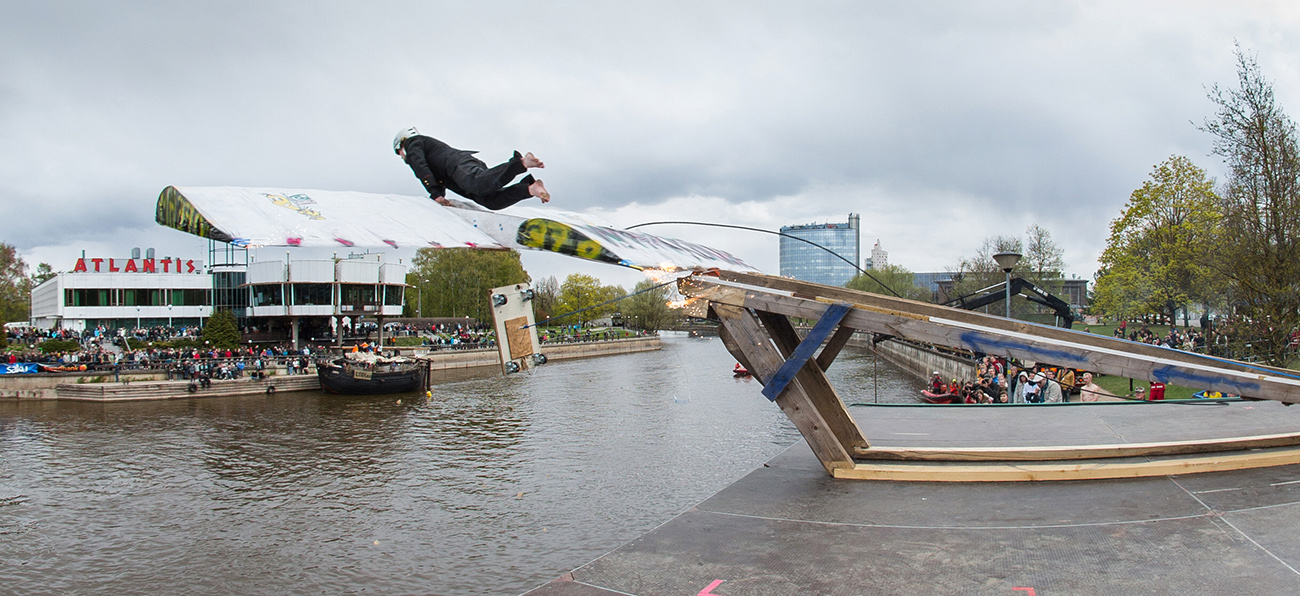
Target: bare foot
(531, 161)
(536, 189)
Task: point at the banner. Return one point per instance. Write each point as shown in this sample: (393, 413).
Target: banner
(20, 368)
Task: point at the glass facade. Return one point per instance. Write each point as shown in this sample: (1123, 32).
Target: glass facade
(803, 261)
(313, 294)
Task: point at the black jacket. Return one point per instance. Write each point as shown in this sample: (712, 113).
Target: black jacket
(433, 161)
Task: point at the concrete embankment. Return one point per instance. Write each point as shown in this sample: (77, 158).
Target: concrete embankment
(153, 384)
(922, 361)
(917, 359)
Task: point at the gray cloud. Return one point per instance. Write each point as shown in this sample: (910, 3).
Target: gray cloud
(1052, 112)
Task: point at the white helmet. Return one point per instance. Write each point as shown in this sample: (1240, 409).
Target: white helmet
(405, 133)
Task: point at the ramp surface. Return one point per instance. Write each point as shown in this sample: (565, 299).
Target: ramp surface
(788, 528)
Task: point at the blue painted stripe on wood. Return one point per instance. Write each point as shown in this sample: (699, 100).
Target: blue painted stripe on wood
(825, 325)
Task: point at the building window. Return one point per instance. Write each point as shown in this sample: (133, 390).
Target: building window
(393, 295)
(143, 297)
(268, 295)
(191, 297)
(313, 295)
(357, 297)
(88, 297)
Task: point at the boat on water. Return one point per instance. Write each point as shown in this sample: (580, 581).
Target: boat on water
(740, 371)
(930, 397)
(367, 374)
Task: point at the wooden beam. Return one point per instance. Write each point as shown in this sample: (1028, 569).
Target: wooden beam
(757, 349)
(1072, 452)
(985, 333)
(736, 352)
(833, 347)
(822, 393)
(1073, 470)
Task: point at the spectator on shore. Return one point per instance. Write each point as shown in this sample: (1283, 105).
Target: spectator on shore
(1051, 390)
(1092, 391)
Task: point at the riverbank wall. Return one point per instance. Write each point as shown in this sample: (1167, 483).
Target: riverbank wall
(918, 359)
(154, 384)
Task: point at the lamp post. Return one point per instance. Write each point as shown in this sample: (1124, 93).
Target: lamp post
(1007, 261)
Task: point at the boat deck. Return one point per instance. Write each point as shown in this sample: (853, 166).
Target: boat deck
(789, 528)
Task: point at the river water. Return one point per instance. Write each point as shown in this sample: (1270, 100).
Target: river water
(494, 486)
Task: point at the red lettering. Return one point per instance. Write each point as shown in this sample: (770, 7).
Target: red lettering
(112, 268)
(178, 264)
(165, 263)
(190, 264)
(97, 262)
(147, 266)
(81, 266)
(130, 267)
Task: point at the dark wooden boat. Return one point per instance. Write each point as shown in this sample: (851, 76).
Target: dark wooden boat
(371, 377)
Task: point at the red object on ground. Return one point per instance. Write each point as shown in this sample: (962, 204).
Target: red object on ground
(1157, 392)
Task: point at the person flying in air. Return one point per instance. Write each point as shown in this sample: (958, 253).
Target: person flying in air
(440, 167)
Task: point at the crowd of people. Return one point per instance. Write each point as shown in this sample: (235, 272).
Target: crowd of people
(999, 381)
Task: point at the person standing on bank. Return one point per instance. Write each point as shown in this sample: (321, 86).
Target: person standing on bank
(440, 167)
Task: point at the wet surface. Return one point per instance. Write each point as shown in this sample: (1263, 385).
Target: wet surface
(493, 486)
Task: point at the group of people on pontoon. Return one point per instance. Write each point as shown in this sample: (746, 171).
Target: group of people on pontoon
(999, 382)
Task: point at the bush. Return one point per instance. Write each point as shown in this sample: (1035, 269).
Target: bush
(60, 345)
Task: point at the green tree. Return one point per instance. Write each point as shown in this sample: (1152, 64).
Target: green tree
(649, 311)
(15, 286)
(890, 280)
(221, 331)
(580, 291)
(43, 272)
(455, 282)
(1155, 259)
(1259, 247)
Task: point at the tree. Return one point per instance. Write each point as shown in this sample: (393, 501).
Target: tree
(15, 287)
(1043, 260)
(454, 282)
(649, 311)
(890, 280)
(980, 271)
(221, 330)
(580, 291)
(546, 296)
(1155, 259)
(1041, 263)
(1258, 251)
(43, 273)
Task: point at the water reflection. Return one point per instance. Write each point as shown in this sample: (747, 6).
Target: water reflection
(493, 486)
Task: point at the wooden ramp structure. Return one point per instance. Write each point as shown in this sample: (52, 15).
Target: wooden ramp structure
(755, 312)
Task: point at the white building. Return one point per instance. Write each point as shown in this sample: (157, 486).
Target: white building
(124, 292)
(879, 258)
(146, 292)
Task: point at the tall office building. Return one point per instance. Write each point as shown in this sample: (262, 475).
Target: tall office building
(807, 262)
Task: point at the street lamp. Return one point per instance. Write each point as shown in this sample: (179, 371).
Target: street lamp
(1007, 261)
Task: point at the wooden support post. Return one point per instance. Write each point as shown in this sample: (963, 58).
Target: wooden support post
(833, 347)
(812, 377)
(756, 348)
(734, 348)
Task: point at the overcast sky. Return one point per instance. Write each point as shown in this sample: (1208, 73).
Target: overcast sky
(940, 123)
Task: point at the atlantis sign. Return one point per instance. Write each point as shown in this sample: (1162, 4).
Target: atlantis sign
(168, 265)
